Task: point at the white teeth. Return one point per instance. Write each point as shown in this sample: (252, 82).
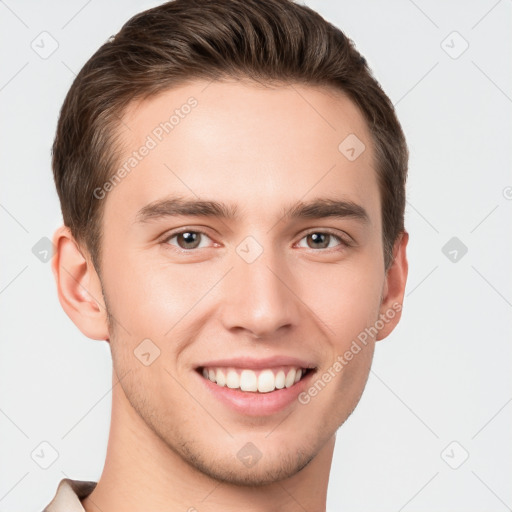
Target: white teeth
(220, 378)
(266, 381)
(280, 378)
(232, 380)
(263, 381)
(248, 381)
(290, 378)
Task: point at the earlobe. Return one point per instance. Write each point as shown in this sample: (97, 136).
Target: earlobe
(78, 286)
(394, 287)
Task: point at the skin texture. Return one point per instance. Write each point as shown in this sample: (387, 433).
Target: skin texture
(172, 446)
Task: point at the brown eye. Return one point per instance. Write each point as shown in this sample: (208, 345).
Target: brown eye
(322, 240)
(187, 240)
(319, 240)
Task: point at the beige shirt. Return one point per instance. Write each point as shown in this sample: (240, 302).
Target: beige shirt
(69, 495)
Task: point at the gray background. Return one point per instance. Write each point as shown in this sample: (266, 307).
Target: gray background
(440, 388)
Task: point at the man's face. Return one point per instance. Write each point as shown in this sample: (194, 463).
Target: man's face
(260, 285)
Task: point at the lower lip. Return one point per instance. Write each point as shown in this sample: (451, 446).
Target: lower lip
(257, 404)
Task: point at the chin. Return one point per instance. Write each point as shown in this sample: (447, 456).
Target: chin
(261, 474)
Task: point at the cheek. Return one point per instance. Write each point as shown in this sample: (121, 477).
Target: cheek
(149, 295)
(345, 297)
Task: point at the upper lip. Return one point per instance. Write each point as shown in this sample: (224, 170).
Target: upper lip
(258, 364)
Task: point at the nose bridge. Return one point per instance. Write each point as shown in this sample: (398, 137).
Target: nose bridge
(257, 292)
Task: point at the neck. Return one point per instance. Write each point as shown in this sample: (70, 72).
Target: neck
(142, 472)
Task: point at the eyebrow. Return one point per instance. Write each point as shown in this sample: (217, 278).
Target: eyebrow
(314, 209)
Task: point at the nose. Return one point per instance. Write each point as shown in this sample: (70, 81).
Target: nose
(259, 297)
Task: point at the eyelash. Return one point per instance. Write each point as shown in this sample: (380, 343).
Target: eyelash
(344, 243)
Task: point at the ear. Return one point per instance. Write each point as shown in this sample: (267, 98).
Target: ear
(394, 288)
(79, 286)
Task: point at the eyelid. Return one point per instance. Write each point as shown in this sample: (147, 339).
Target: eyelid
(171, 234)
(345, 239)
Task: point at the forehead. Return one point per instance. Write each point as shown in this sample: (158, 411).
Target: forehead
(246, 142)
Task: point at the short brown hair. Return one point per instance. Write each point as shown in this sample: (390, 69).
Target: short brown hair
(182, 40)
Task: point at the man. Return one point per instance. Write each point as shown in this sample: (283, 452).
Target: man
(232, 182)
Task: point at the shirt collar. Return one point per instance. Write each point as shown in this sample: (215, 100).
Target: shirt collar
(69, 495)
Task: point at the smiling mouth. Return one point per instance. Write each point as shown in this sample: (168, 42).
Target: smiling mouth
(255, 381)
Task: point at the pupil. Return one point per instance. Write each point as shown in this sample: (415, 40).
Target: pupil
(190, 238)
(317, 236)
